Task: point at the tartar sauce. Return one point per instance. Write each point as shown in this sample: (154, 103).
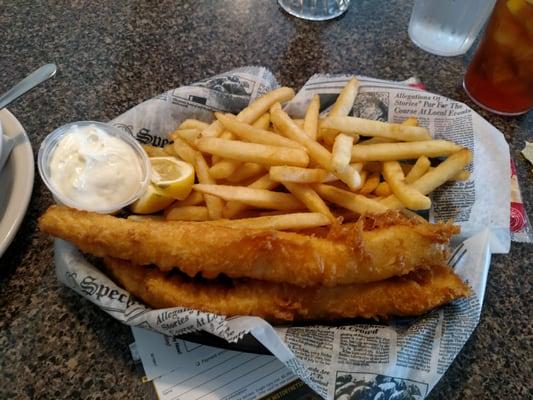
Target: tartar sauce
(93, 168)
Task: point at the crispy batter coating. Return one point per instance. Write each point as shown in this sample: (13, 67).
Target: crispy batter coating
(410, 295)
(352, 253)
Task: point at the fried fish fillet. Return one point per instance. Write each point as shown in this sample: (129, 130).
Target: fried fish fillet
(411, 295)
(350, 253)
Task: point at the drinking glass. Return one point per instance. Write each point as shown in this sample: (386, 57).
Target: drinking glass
(315, 10)
(447, 27)
(500, 76)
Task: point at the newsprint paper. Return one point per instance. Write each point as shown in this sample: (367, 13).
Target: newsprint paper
(399, 359)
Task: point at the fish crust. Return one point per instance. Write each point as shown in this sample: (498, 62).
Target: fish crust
(350, 253)
(411, 295)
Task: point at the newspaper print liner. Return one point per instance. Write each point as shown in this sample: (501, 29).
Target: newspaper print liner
(442, 331)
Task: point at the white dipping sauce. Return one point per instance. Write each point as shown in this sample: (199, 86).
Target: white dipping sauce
(94, 169)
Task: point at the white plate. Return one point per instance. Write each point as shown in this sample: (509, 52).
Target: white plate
(1, 141)
(16, 180)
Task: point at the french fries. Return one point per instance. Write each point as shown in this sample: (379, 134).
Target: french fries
(188, 135)
(254, 197)
(376, 140)
(403, 151)
(371, 183)
(254, 135)
(252, 152)
(184, 151)
(347, 96)
(263, 122)
(342, 107)
(216, 159)
(351, 201)
(194, 199)
(444, 172)
(214, 203)
(143, 218)
(153, 151)
(299, 175)
(234, 208)
(382, 190)
(342, 152)
(280, 222)
(187, 213)
(245, 172)
(411, 121)
(261, 167)
(193, 124)
(169, 150)
(254, 110)
(317, 152)
(419, 169)
(365, 127)
(461, 176)
(409, 196)
(310, 198)
(224, 168)
(434, 178)
(311, 118)
(263, 104)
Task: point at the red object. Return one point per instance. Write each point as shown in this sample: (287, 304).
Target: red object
(518, 217)
(418, 85)
(500, 76)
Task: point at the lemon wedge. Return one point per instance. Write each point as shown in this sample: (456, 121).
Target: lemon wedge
(174, 178)
(171, 179)
(151, 201)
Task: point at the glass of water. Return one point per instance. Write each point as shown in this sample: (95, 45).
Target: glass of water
(448, 27)
(315, 10)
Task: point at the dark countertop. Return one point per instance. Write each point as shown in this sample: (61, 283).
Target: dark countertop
(113, 55)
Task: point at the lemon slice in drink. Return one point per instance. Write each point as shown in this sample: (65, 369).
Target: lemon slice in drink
(174, 178)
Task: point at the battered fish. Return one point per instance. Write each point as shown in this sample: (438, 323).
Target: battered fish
(350, 253)
(411, 295)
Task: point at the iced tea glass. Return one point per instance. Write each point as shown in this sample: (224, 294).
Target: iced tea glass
(500, 76)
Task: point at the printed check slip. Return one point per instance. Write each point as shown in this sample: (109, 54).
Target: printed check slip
(184, 370)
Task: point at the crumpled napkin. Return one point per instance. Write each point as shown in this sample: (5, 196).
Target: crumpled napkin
(6, 148)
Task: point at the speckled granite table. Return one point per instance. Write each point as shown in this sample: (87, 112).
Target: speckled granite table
(113, 55)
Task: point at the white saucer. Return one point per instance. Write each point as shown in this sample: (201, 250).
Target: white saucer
(16, 180)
